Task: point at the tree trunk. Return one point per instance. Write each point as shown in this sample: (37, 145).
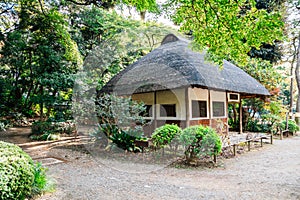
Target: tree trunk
(297, 73)
(41, 105)
(291, 95)
(143, 15)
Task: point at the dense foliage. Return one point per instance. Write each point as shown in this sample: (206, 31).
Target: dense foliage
(20, 177)
(292, 126)
(47, 130)
(16, 172)
(228, 29)
(200, 141)
(42, 48)
(120, 120)
(164, 135)
(38, 58)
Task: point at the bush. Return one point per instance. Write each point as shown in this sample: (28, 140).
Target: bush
(125, 140)
(40, 183)
(292, 126)
(51, 130)
(163, 135)
(266, 124)
(20, 178)
(16, 172)
(200, 141)
(120, 121)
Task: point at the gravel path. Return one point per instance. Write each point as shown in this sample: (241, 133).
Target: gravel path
(271, 172)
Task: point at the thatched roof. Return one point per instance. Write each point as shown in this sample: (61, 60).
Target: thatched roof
(175, 65)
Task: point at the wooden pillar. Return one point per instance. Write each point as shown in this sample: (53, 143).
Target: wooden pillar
(187, 107)
(241, 116)
(155, 111)
(209, 109)
(287, 123)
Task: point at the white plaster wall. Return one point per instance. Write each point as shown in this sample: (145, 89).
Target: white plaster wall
(175, 96)
(198, 94)
(147, 98)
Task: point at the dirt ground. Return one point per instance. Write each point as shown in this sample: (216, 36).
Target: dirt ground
(270, 172)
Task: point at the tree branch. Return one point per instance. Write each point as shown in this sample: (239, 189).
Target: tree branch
(6, 10)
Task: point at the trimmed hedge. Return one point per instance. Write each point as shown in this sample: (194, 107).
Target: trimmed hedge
(200, 141)
(16, 172)
(164, 135)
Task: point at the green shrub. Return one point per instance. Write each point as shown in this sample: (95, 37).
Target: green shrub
(120, 121)
(16, 172)
(266, 124)
(200, 141)
(292, 125)
(163, 135)
(40, 182)
(50, 130)
(20, 178)
(125, 140)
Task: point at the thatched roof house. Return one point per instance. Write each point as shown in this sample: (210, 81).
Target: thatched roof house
(185, 88)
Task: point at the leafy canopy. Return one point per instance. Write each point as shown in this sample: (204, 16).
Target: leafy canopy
(227, 29)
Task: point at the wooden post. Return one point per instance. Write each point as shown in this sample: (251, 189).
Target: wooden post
(155, 111)
(187, 107)
(261, 142)
(241, 117)
(234, 150)
(210, 114)
(215, 159)
(271, 139)
(249, 145)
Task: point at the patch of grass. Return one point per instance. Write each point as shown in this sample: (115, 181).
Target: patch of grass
(42, 183)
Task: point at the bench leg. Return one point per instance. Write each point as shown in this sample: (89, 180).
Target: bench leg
(248, 145)
(234, 150)
(271, 138)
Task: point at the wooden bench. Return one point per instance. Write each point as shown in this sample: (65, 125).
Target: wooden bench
(255, 139)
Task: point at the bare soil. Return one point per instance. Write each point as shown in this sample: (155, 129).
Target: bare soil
(269, 172)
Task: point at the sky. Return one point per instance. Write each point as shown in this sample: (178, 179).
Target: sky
(131, 12)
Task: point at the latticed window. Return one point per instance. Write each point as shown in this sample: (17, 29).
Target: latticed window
(218, 109)
(199, 109)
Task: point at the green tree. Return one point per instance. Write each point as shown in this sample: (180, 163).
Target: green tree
(292, 50)
(228, 29)
(38, 58)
